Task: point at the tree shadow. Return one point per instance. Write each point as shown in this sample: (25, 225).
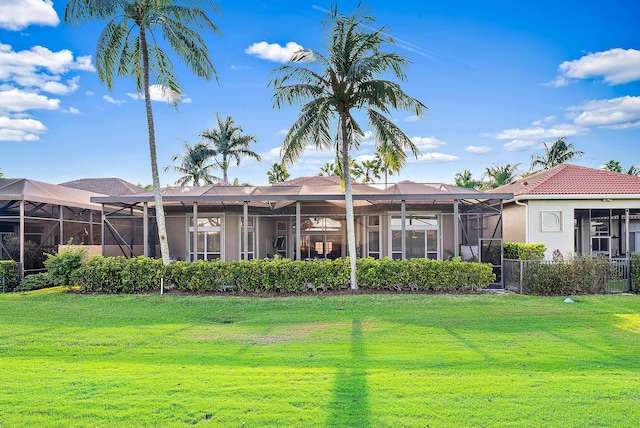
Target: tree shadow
(350, 403)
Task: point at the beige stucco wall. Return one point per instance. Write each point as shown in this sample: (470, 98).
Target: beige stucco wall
(177, 236)
(514, 223)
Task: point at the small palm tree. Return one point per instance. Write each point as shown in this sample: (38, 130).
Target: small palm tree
(372, 169)
(228, 142)
(615, 166)
(277, 174)
(329, 169)
(499, 175)
(353, 76)
(559, 153)
(128, 46)
(465, 179)
(193, 165)
(1, 174)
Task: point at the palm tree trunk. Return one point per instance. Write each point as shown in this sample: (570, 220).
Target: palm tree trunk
(160, 220)
(348, 197)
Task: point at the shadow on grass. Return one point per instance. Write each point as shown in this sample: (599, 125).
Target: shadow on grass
(349, 406)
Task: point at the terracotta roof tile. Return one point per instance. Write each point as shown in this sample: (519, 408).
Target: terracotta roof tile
(567, 179)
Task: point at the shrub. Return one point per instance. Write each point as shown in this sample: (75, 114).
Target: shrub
(36, 281)
(63, 266)
(579, 275)
(522, 251)
(635, 272)
(121, 275)
(8, 271)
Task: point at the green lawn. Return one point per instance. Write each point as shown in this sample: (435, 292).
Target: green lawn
(358, 360)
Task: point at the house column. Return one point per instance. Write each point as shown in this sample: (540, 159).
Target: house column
(61, 225)
(195, 232)
(21, 270)
(456, 226)
(145, 228)
(627, 254)
(102, 219)
(245, 229)
(403, 217)
(298, 230)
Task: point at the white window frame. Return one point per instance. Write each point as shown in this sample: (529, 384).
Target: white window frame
(189, 219)
(409, 227)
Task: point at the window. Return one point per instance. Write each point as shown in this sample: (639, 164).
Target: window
(209, 245)
(251, 232)
(420, 236)
(373, 237)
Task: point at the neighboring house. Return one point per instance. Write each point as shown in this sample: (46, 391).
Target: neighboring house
(575, 209)
(404, 220)
(36, 217)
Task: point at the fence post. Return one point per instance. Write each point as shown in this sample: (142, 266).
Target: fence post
(521, 274)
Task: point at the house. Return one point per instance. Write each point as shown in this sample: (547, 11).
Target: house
(575, 210)
(403, 220)
(219, 221)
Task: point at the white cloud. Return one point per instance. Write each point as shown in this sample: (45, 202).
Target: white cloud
(616, 66)
(522, 139)
(88, 93)
(282, 132)
(16, 100)
(162, 94)
(73, 110)
(616, 113)
(479, 150)
(110, 99)
(434, 157)
(427, 143)
(273, 52)
(18, 14)
(412, 118)
(272, 155)
(12, 129)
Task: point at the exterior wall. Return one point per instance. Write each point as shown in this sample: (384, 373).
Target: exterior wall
(177, 236)
(446, 231)
(514, 223)
(231, 238)
(561, 237)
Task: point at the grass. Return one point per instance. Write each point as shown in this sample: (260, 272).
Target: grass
(71, 360)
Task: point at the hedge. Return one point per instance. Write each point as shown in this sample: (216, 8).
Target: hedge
(635, 272)
(580, 275)
(8, 271)
(522, 251)
(141, 274)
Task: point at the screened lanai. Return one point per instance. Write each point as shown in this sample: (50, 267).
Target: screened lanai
(36, 217)
(403, 220)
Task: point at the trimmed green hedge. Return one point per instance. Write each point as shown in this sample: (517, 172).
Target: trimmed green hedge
(141, 274)
(8, 271)
(522, 251)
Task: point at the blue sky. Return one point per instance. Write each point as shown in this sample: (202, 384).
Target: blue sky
(499, 78)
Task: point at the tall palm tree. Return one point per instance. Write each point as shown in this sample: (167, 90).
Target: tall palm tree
(351, 77)
(229, 142)
(499, 175)
(465, 179)
(559, 153)
(277, 173)
(193, 165)
(129, 46)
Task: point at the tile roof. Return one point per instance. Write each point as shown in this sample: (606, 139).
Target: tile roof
(567, 179)
(313, 180)
(106, 186)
